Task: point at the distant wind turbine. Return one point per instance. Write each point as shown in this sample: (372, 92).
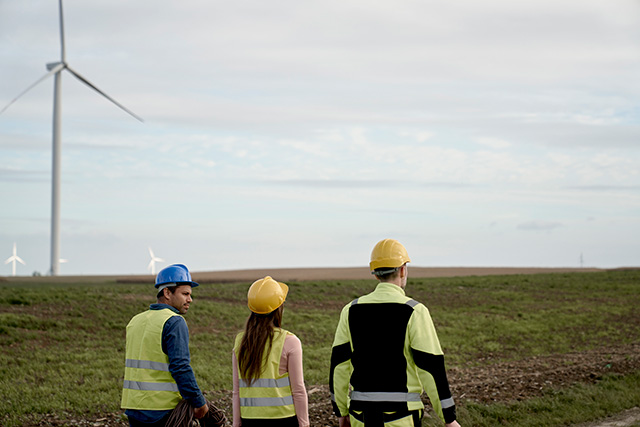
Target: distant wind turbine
(152, 263)
(13, 258)
(55, 69)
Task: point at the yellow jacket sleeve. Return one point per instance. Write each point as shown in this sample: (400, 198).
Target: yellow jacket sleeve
(429, 360)
(341, 367)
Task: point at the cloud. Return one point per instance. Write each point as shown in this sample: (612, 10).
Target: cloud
(493, 142)
(461, 112)
(419, 136)
(15, 175)
(606, 188)
(383, 185)
(540, 225)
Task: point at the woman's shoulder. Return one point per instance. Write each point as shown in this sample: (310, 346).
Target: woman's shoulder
(290, 337)
(292, 341)
(287, 333)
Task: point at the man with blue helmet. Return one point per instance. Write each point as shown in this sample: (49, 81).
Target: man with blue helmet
(158, 372)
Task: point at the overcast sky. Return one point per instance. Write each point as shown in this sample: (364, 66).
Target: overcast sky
(298, 134)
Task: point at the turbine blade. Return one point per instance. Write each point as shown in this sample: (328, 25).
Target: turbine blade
(53, 71)
(151, 264)
(63, 53)
(20, 260)
(150, 252)
(9, 260)
(92, 86)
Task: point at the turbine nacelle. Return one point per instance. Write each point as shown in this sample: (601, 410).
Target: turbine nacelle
(52, 65)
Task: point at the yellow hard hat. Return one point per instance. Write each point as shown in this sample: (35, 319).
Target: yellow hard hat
(265, 295)
(388, 253)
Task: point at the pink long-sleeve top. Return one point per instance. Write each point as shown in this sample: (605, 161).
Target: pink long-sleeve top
(290, 361)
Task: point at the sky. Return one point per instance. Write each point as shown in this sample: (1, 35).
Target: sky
(298, 134)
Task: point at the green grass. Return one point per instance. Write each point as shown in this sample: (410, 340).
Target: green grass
(63, 343)
(576, 404)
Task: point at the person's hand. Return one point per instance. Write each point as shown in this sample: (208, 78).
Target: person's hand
(453, 424)
(344, 421)
(201, 411)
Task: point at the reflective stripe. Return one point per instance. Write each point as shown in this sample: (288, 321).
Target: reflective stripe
(447, 403)
(266, 382)
(384, 397)
(412, 303)
(355, 301)
(266, 401)
(147, 364)
(147, 386)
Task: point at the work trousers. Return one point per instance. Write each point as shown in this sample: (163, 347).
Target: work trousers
(384, 419)
(274, 422)
(162, 422)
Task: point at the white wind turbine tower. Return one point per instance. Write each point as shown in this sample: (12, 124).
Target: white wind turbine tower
(13, 258)
(152, 263)
(56, 69)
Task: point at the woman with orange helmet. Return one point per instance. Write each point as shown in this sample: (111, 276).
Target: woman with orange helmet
(268, 379)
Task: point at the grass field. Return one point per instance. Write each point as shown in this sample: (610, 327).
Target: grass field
(521, 350)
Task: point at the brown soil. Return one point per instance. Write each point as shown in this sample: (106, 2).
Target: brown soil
(501, 382)
(489, 382)
(351, 273)
(628, 418)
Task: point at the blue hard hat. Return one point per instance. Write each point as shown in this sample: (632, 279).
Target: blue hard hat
(175, 273)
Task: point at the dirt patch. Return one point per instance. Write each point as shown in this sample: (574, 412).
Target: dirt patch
(519, 380)
(628, 418)
(527, 378)
(488, 383)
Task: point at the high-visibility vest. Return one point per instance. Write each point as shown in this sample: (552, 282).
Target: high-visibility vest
(268, 397)
(148, 384)
(385, 352)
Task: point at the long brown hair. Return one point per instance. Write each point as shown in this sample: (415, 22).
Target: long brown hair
(258, 337)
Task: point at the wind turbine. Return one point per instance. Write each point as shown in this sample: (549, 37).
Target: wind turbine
(152, 263)
(13, 258)
(56, 69)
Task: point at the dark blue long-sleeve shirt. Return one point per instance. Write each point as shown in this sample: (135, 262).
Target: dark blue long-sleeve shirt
(175, 343)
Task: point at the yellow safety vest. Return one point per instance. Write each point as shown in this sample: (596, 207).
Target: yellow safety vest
(148, 384)
(268, 397)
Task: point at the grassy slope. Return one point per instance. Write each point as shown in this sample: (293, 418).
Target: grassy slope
(63, 344)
